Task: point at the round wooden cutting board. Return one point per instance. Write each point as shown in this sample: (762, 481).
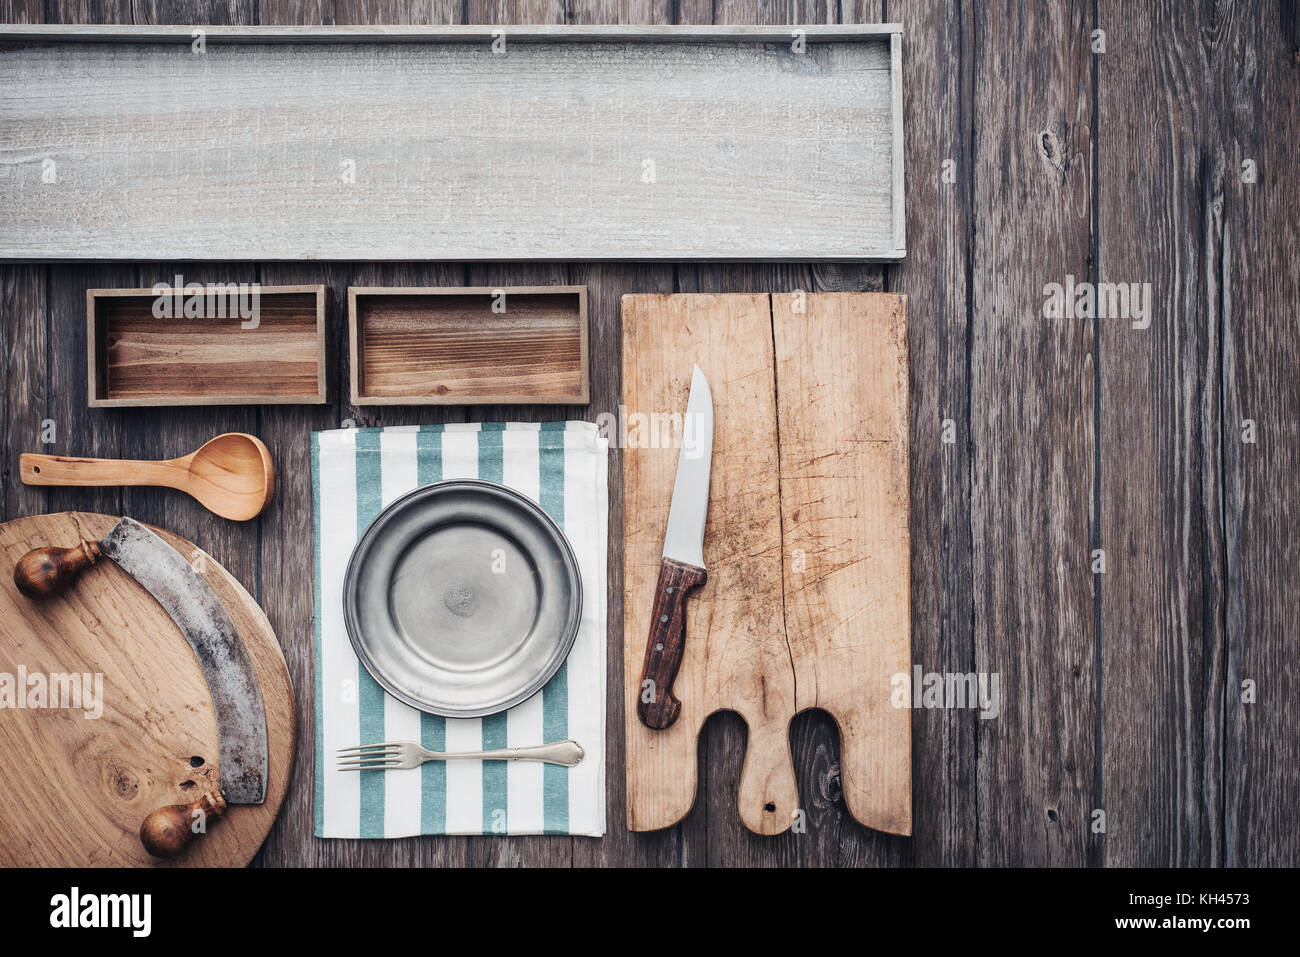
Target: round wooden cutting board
(77, 788)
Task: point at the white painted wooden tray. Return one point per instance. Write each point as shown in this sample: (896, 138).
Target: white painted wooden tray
(451, 143)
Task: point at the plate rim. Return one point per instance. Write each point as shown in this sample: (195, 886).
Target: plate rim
(351, 576)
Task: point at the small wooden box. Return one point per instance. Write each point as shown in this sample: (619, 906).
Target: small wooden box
(468, 345)
(142, 351)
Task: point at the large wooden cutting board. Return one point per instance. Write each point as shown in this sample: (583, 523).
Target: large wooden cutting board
(807, 547)
(76, 789)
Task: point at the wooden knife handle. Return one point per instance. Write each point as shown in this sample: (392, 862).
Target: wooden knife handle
(656, 705)
(169, 830)
(50, 571)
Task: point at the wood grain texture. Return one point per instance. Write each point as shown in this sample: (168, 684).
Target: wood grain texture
(1255, 259)
(1032, 436)
(589, 150)
(103, 776)
(468, 346)
(806, 602)
(237, 352)
(841, 381)
(968, 237)
(1162, 631)
(24, 397)
(736, 655)
(936, 277)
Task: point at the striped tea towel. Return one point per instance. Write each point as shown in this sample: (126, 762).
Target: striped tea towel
(355, 473)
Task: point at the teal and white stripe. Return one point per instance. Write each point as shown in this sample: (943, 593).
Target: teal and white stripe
(355, 473)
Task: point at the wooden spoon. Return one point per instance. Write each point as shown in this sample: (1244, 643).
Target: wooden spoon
(231, 475)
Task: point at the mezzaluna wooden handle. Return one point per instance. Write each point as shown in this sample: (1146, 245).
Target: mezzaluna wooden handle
(656, 705)
(169, 830)
(50, 571)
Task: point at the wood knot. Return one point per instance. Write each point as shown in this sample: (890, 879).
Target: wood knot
(123, 782)
(1053, 151)
(829, 785)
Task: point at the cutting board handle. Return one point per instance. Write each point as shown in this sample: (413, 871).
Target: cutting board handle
(50, 571)
(656, 705)
(169, 830)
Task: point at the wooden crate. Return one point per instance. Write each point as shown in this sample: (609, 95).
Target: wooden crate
(137, 357)
(468, 345)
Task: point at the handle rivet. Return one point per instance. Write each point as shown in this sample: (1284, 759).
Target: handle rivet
(663, 617)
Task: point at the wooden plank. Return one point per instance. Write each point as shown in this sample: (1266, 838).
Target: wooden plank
(841, 384)
(25, 403)
(1032, 435)
(1255, 246)
(935, 279)
(578, 166)
(21, 11)
(736, 654)
(1160, 422)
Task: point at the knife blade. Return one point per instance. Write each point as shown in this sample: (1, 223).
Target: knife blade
(682, 569)
(205, 624)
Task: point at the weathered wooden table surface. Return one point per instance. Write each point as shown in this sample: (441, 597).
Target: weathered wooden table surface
(1148, 713)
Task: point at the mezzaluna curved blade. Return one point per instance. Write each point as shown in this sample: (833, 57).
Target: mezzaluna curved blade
(206, 625)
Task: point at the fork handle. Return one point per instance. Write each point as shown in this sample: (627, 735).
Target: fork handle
(566, 753)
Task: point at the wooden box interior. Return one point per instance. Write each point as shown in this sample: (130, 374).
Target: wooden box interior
(139, 359)
(444, 346)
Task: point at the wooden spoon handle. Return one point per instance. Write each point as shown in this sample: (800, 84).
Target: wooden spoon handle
(169, 830)
(66, 470)
(49, 571)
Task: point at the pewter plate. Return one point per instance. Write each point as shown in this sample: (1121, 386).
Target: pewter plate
(462, 598)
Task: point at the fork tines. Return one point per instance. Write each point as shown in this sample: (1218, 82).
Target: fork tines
(369, 757)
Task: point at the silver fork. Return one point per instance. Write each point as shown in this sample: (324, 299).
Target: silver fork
(404, 755)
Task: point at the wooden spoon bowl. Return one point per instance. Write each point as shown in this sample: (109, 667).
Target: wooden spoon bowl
(232, 475)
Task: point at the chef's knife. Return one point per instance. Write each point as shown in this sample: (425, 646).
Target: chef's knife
(682, 569)
(206, 625)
